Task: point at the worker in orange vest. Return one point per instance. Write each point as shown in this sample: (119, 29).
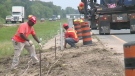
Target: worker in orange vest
(70, 36)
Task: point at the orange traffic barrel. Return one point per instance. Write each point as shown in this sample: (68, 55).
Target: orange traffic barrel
(129, 58)
(77, 27)
(86, 34)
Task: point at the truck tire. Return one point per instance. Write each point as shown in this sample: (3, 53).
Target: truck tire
(132, 32)
(13, 21)
(132, 26)
(101, 33)
(22, 20)
(93, 24)
(107, 33)
(104, 25)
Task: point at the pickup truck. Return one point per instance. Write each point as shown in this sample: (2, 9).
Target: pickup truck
(8, 18)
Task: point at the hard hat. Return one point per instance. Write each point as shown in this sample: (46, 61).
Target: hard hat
(65, 24)
(81, 4)
(33, 19)
(81, 20)
(75, 20)
(30, 16)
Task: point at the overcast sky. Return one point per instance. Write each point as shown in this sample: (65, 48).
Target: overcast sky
(65, 3)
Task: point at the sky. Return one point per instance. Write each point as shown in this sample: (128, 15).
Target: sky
(65, 3)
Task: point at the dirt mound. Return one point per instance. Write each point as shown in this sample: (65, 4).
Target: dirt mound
(83, 61)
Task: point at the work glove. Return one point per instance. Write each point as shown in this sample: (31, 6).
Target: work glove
(30, 42)
(40, 45)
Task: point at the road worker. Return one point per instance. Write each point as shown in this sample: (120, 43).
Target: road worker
(70, 36)
(20, 40)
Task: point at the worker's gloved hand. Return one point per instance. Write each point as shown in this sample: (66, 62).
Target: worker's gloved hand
(30, 42)
(40, 45)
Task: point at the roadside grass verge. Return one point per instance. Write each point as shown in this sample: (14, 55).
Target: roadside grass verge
(44, 30)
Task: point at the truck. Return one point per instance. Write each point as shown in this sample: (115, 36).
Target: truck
(8, 18)
(18, 14)
(58, 16)
(110, 14)
(54, 18)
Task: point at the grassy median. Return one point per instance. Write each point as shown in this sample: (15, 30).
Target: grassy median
(44, 30)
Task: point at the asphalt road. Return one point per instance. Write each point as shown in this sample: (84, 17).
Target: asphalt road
(112, 41)
(123, 35)
(115, 41)
(11, 24)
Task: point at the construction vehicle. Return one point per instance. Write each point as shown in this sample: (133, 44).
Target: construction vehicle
(110, 14)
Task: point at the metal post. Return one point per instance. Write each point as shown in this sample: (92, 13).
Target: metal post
(55, 48)
(40, 58)
(61, 37)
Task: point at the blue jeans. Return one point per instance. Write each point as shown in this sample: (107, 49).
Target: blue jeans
(70, 41)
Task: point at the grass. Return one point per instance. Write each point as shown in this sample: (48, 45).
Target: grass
(44, 30)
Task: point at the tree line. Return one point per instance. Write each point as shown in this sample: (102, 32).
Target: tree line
(35, 7)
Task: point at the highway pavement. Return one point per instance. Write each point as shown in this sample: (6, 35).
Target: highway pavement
(122, 35)
(114, 42)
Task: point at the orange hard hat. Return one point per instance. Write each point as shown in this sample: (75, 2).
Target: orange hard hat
(33, 19)
(65, 25)
(81, 4)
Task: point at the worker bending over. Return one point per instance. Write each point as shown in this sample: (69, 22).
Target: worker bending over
(20, 40)
(70, 36)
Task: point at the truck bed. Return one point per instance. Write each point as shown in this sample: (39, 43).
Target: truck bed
(116, 10)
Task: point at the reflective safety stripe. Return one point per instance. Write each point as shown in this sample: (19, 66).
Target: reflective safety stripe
(74, 33)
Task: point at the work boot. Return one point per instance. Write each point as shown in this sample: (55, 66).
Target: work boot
(34, 60)
(35, 63)
(75, 47)
(13, 67)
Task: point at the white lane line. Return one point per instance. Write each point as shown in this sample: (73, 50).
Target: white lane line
(119, 39)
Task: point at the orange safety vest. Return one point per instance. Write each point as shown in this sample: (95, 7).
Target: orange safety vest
(71, 33)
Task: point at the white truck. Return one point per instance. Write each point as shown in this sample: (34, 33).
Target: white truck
(18, 14)
(58, 17)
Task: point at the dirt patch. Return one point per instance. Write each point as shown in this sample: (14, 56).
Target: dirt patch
(93, 60)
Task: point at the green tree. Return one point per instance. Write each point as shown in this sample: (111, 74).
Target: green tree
(5, 6)
(36, 7)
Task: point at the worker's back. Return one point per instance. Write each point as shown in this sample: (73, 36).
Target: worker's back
(72, 34)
